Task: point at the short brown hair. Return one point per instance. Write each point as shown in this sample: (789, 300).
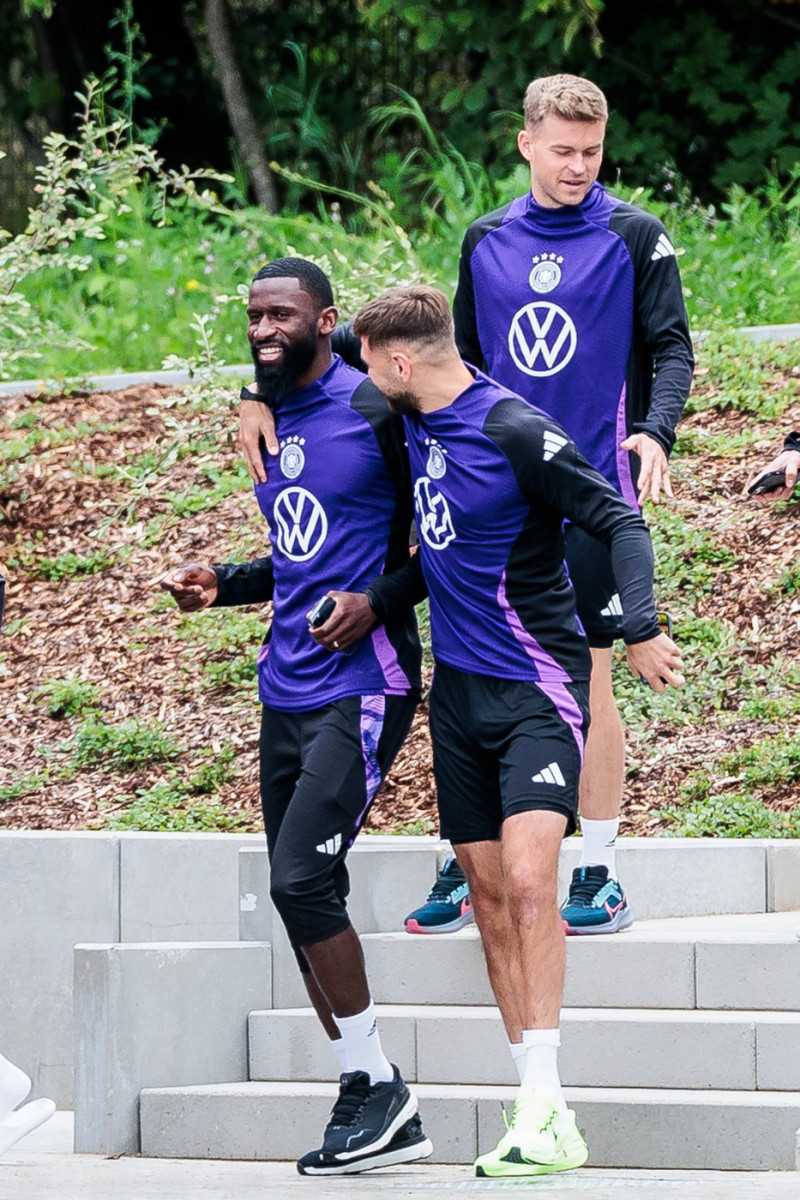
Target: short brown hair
(565, 96)
(406, 314)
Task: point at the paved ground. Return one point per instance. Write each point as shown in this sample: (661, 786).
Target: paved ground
(43, 1167)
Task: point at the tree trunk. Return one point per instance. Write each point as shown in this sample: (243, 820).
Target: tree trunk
(241, 118)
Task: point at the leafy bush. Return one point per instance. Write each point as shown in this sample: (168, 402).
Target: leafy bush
(122, 747)
(68, 697)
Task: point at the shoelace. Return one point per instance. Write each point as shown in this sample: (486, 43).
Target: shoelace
(585, 890)
(351, 1100)
(445, 884)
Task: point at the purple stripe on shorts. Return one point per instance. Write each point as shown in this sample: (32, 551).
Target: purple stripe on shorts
(627, 489)
(373, 710)
(396, 679)
(263, 653)
(555, 689)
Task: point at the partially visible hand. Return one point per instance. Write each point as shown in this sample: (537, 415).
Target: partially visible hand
(657, 661)
(351, 620)
(788, 461)
(192, 587)
(256, 422)
(653, 470)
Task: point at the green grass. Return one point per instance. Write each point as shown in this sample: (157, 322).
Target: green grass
(68, 565)
(225, 644)
(137, 301)
(181, 803)
(728, 800)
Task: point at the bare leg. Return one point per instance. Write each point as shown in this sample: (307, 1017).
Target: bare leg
(321, 1005)
(481, 862)
(603, 775)
(338, 968)
(513, 888)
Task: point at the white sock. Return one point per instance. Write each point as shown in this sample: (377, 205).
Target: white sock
(362, 1045)
(337, 1045)
(519, 1054)
(600, 844)
(14, 1087)
(541, 1062)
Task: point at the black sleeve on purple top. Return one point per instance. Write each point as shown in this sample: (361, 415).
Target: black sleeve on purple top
(244, 583)
(566, 484)
(464, 315)
(662, 352)
(393, 594)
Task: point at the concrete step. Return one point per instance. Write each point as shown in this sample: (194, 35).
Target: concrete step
(663, 877)
(600, 1047)
(633, 1128)
(743, 963)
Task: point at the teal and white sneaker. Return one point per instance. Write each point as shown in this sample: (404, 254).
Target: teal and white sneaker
(539, 1140)
(595, 904)
(448, 905)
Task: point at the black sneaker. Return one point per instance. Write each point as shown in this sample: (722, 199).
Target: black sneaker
(448, 906)
(363, 1130)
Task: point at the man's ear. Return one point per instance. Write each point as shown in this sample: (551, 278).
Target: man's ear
(524, 144)
(326, 322)
(402, 364)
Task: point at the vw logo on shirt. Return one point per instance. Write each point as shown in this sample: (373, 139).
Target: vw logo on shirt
(542, 338)
(301, 524)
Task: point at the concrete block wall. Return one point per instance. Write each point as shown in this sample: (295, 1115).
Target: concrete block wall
(147, 1015)
(58, 889)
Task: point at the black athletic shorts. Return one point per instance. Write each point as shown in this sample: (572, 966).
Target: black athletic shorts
(596, 593)
(319, 773)
(503, 746)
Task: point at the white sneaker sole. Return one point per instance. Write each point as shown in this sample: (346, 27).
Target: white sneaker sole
(383, 1158)
(17, 1124)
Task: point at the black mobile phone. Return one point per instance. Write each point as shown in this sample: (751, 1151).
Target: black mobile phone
(767, 483)
(319, 614)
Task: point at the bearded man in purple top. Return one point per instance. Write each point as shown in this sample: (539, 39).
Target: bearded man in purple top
(494, 479)
(338, 691)
(572, 299)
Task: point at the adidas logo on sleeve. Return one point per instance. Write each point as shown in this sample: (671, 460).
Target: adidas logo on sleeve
(664, 248)
(550, 774)
(553, 442)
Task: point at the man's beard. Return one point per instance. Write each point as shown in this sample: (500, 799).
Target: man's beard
(275, 379)
(403, 404)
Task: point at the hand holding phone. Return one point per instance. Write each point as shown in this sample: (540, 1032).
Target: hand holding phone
(319, 614)
(771, 482)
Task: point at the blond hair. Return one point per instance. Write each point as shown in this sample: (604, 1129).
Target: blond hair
(565, 96)
(406, 314)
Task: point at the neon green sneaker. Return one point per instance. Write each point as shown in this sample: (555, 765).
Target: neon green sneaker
(539, 1140)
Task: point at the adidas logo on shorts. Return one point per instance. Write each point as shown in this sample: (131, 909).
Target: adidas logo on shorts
(550, 774)
(332, 846)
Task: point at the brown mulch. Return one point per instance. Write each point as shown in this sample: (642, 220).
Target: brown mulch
(112, 628)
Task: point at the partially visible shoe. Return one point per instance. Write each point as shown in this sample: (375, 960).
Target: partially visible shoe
(364, 1120)
(448, 905)
(409, 1144)
(14, 1086)
(595, 904)
(23, 1121)
(539, 1140)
